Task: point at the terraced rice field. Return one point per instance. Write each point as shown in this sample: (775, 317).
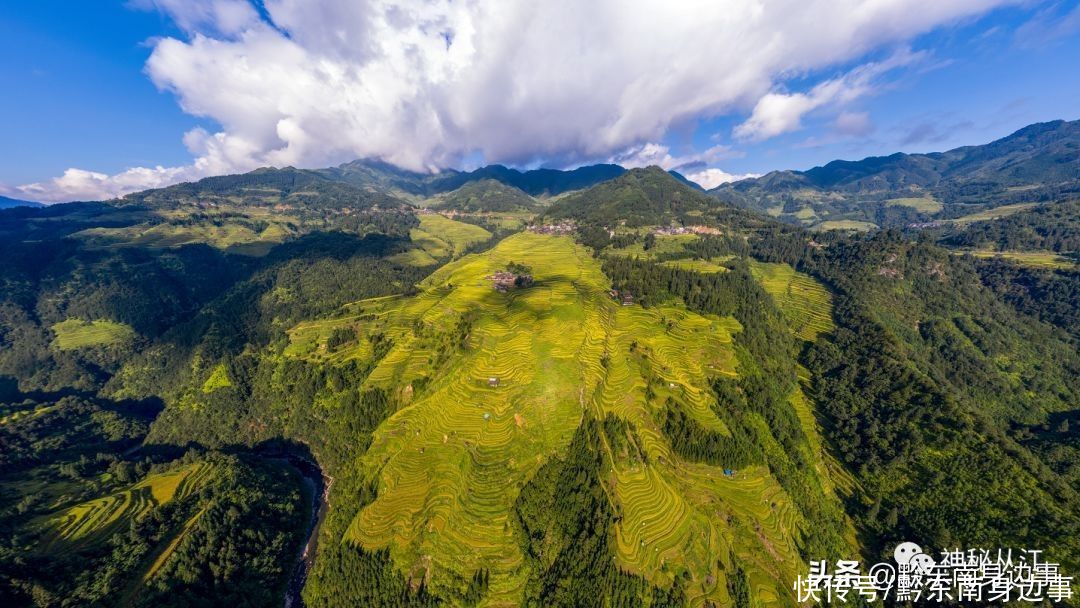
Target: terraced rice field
(439, 237)
(804, 302)
(73, 334)
(451, 462)
(450, 237)
(95, 520)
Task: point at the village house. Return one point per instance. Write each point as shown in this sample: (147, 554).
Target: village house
(624, 296)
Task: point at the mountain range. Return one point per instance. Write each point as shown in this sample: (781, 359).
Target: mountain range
(1038, 163)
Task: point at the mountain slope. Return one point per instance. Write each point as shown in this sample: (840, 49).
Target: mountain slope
(287, 188)
(1039, 162)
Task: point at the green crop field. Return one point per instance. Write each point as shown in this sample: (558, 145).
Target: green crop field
(76, 333)
(450, 464)
(95, 520)
(923, 204)
(440, 237)
(805, 303)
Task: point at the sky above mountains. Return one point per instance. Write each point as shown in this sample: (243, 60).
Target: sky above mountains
(106, 98)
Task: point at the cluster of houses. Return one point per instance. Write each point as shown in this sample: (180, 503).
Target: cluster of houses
(565, 227)
(925, 225)
(505, 280)
(673, 230)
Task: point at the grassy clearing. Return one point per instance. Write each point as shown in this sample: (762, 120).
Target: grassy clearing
(805, 303)
(219, 378)
(925, 204)
(845, 225)
(1031, 259)
(73, 334)
(450, 464)
(95, 520)
(993, 214)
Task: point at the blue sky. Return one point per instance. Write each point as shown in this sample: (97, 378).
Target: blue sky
(985, 81)
(76, 92)
(102, 87)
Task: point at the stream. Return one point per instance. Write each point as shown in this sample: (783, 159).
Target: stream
(319, 484)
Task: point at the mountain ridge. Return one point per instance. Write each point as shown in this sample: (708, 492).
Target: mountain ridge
(10, 203)
(1036, 163)
(638, 197)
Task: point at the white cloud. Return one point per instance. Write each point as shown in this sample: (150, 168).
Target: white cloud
(425, 83)
(779, 113)
(1049, 26)
(853, 124)
(711, 178)
(81, 185)
(694, 167)
(660, 155)
(220, 16)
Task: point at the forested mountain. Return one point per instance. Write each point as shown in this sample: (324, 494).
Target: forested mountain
(667, 401)
(485, 195)
(1039, 163)
(1050, 227)
(7, 203)
(640, 197)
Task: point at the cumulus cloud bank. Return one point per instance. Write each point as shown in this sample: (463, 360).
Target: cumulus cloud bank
(426, 83)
